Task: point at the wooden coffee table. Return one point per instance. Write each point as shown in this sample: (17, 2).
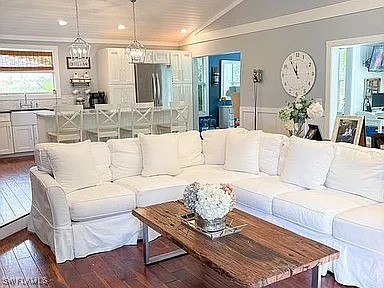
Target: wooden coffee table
(261, 254)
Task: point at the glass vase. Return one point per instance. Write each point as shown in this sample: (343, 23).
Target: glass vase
(210, 225)
(299, 128)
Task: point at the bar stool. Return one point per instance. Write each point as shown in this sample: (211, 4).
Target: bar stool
(108, 118)
(141, 119)
(69, 124)
(179, 118)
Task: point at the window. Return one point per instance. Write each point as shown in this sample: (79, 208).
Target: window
(201, 70)
(230, 77)
(30, 72)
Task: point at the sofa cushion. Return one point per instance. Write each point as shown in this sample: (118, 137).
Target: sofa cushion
(190, 149)
(73, 166)
(100, 152)
(363, 227)
(213, 174)
(357, 170)
(242, 151)
(102, 156)
(315, 209)
(104, 200)
(155, 189)
(258, 193)
(126, 157)
(214, 144)
(160, 154)
(270, 149)
(283, 155)
(307, 162)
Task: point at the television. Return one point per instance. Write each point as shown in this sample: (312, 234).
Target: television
(377, 100)
(376, 63)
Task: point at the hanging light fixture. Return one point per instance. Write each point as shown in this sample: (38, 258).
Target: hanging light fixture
(136, 50)
(79, 49)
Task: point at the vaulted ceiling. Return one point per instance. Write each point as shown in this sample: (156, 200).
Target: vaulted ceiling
(157, 20)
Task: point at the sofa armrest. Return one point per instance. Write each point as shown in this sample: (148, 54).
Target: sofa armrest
(49, 199)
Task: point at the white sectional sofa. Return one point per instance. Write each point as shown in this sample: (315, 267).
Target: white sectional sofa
(83, 194)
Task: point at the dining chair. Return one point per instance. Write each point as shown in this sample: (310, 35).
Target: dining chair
(69, 124)
(141, 119)
(108, 118)
(179, 118)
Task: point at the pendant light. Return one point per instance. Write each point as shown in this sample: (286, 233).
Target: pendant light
(136, 50)
(79, 49)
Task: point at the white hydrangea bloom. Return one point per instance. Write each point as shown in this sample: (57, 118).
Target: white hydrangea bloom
(315, 110)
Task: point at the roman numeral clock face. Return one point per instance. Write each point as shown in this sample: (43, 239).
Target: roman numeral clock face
(298, 74)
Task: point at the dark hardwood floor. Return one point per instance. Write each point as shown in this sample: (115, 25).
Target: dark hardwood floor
(23, 256)
(15, 188)
(24, 259)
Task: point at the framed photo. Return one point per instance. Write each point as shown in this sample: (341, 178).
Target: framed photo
(313, 133)
(349, 129)
(377, 141)
(86, 64)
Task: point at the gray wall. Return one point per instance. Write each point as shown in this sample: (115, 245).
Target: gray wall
(268, 49)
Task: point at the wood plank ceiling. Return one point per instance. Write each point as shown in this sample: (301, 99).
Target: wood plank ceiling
(157, 20)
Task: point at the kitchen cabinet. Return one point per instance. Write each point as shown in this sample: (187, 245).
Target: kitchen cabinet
(182, 92)
(181, 63)
(24, 138)
(114, 67)
(161, 57)
(6, 136)
(121, 94)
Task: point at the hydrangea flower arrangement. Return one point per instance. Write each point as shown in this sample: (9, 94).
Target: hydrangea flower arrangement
(210, 201)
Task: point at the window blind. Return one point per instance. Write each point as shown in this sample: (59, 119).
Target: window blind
(25, 60)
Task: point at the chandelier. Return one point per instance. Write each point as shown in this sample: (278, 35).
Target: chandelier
(136, 50)
(79, 49)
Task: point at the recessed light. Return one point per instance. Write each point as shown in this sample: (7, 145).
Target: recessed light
(184, 31)
(121, 27)
(63, 22)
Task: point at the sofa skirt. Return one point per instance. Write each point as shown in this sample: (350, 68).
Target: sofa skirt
(355, 266)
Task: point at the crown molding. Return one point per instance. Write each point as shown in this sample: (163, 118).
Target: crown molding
(90, 40)
(321, 13)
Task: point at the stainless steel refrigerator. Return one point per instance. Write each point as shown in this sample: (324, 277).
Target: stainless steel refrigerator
(153, 83)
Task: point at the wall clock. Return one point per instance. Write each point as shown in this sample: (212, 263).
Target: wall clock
(298, 73)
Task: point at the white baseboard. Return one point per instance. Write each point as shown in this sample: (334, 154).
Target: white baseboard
(14, 226)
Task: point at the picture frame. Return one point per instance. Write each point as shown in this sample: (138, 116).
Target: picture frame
(349, 129)
(377, 140)
(313, 133)
(86, 64)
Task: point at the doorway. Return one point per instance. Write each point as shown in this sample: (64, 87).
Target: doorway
(217, 90)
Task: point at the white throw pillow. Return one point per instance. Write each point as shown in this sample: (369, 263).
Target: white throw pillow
(242, 151)
(190, 149)
(126, 157)
(357, 170)
(270, 149)
(214, 144)
(308, 162)
(73, 166)
(283, 155)
(160, 155)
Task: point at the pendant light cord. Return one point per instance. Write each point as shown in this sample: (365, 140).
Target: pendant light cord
(134, 20)
(77, 18)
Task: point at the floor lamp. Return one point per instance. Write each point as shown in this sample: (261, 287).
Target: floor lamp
(257, 78)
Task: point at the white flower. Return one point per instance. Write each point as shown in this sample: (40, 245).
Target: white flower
(299, 105)
(315, 110)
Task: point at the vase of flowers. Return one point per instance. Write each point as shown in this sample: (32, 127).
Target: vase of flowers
(296, 114)
(210, 203)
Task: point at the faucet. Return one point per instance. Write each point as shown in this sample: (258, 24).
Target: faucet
(25, 104)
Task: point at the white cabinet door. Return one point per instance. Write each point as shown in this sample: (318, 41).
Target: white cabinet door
(161, 57)
(127, 69)
(114, 59)
(115, 94)
(6, 139)
(129, 94)
(148, 56)
(176, 67)
(187, 93)
(186, 65)
(177, 92)
(23, 138)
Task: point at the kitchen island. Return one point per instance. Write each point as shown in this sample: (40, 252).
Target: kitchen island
(46, 121)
